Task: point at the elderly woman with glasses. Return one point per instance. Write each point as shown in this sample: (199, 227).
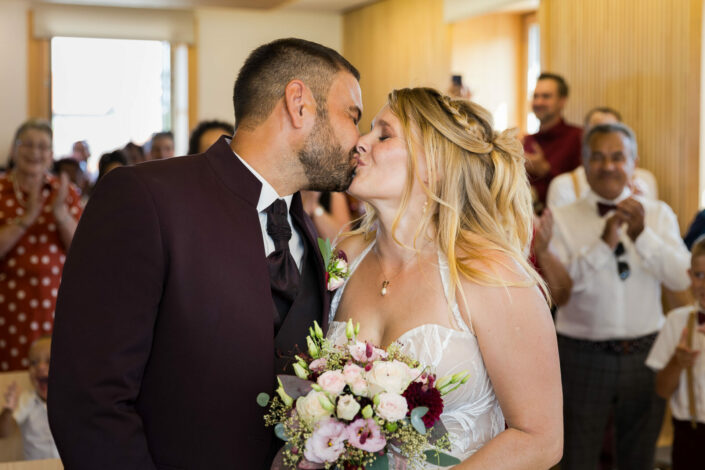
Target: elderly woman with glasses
(38, 217)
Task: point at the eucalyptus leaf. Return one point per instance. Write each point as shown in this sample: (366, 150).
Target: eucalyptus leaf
(263, 399)
(416, 421)
(440, 459)
(419, 411)
(381, 462)
(326, 250)
(280, 432)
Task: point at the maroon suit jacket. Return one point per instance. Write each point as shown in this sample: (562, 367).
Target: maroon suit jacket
(164, 329)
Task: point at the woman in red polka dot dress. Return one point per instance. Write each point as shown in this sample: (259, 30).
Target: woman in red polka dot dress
(38, 216)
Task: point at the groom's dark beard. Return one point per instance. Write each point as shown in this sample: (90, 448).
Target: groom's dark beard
(324, 159)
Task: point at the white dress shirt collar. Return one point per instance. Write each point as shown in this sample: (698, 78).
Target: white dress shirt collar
(593, 198)
(268, 194)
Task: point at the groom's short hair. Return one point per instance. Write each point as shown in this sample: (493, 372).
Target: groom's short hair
(270, 67)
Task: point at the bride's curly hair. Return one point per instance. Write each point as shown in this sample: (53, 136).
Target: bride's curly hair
(479, 200)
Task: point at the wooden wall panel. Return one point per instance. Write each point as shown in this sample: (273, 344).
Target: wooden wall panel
(643, 58)
(488, 51)
(396, 44)
(38, 74)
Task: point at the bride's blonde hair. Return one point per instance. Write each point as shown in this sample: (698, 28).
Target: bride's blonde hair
(479, 201)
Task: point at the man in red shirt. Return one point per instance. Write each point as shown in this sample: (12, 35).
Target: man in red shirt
(555, 148)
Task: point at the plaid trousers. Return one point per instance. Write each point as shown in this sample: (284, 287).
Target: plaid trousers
(597, 383)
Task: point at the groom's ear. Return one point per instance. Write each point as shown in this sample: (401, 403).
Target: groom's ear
(299, 104)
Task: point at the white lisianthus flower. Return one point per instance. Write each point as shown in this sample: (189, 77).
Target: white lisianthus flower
(335, 282)
(347, 407)
(388, 376)
(309, 408)
(341, 265)
(391, 407)
(332, 381)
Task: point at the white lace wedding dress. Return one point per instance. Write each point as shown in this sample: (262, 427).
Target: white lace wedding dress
(471, 413)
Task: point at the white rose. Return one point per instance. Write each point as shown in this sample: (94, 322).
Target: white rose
(391, 407)
(355, 377)
(388, 376)
(347, 407)
(332, 381)
(309, 408)
(359, 387)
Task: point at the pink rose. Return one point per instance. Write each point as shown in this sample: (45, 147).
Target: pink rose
(391, 407)
(366, 435)
(332, 381)
(365, 352)
(319, 365)
(327, 442)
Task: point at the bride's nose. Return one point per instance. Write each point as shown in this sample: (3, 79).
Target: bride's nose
(362, 144)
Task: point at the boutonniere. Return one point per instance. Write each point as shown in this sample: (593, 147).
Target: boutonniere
(336, 265)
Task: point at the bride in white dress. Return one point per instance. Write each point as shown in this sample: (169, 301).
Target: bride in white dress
(439, 266)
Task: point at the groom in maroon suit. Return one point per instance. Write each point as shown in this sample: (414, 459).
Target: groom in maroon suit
(190, 280)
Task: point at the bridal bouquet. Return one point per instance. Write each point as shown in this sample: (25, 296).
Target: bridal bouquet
(353, 406)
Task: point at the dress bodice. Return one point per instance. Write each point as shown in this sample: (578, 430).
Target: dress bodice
(471, 414)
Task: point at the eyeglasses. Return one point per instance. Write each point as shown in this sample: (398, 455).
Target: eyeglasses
(622, 266)
(33, 145)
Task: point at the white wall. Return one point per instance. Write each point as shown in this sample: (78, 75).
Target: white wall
(13, 73)
(225, 37)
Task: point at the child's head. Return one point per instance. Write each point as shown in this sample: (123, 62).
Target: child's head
(39, 355)
(697, 270)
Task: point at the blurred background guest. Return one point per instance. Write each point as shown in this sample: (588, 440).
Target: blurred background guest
(555, 148)
(329, 211)
(73, 170)
(38, 217)
(161, 146)
(110, 161)
(134, 153)
(206, 133)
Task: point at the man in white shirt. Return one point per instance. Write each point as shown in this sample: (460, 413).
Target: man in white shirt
(569, 187)
(617, 249)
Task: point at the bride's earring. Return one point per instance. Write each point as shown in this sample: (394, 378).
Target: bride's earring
(425, 206)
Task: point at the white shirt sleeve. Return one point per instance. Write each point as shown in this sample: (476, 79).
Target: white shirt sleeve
(24, 407)
(666, 342)
(663, 252)
(583, 264)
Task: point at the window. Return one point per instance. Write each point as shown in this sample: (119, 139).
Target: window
(533, 69)
(108, 92)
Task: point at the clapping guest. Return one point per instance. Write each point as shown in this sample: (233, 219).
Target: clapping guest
(569, 187)
(555, 148)
(617, 248)
(206, 133)
(38, 216)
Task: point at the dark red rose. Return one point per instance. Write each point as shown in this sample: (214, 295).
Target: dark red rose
(418, 394)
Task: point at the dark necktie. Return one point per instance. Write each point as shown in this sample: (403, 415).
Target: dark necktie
(603, 208)
(283, 274)
(701, 318)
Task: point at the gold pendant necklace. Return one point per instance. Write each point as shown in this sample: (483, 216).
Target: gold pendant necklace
(385, 283)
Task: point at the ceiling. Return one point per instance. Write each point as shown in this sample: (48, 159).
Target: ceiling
(318, 5)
